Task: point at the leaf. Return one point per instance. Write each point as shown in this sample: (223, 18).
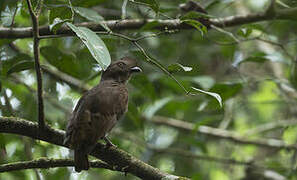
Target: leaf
(92, 16)
(205, 82)
(258, 57)
(94, 43)
(9, 63)
(176, 67)
(282, 4)
(58, 16)
(227, 90)
(244, 32)
(21, 66)
(247, 29)
(215, 95)
(77, 65)
(152, 4)
(251, 59)
(7, 16)
(153, 108)
(196, 24)
(195, 15)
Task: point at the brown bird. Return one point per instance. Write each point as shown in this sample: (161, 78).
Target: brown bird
(98, 110)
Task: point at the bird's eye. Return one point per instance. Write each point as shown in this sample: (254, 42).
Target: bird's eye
(121, 64)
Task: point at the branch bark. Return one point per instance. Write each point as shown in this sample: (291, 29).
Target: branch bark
(49, 163)
(118, 25)
(113, 156)
(222, 134)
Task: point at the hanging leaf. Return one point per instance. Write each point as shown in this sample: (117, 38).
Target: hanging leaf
(94, 43)
(176, 67)
(215, 95)
(21, 66)
(196, 24)
(92, 16)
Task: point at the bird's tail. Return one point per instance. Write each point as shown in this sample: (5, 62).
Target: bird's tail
(80, 161)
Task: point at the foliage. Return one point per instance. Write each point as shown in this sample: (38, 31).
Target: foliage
(236, 78)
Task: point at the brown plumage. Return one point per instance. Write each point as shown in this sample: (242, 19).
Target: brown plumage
(98, 110)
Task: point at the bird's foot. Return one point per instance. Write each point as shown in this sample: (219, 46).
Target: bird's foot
(108, 143)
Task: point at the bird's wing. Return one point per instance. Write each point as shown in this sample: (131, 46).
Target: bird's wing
(95, 114)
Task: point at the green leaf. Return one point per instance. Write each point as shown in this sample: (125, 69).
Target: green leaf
(92, 16)
(9, 63)
(215, 95)
(21, 66)
(94, 43)
(72, 64)
(205, 82)
(227, 90)
(176, 67)
(244, 32)
(58, 16)
(152, 4)
(247, 29)
(258, 57)
(195, 15)
(7, 16)
(196, 24)
(157, 105)
(252, 59)
(282, 4)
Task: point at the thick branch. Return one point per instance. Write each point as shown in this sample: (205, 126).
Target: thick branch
(222, 134)
(113, 156)
(118, 25)
(49, 163)
(35, 33)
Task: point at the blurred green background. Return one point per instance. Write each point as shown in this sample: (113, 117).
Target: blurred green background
(253, 70)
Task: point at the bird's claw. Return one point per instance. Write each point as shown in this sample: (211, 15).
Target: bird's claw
(109, 143)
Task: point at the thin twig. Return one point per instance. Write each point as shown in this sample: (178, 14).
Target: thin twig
(8, 104)
(222, 134)
(157, 64)
(13, 17)
(270, 126)
(35, 26)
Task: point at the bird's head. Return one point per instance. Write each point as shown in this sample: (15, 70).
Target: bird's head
(121, 70)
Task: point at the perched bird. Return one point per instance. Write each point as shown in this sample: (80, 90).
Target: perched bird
(98, 110)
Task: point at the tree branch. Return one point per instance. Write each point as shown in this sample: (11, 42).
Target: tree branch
(118, 25)
(50, 163)
(113, 156)
(35, 32)
(222, 134)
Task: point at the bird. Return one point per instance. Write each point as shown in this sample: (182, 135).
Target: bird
(98, 111)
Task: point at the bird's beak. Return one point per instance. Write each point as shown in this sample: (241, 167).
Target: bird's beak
(135, 69)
